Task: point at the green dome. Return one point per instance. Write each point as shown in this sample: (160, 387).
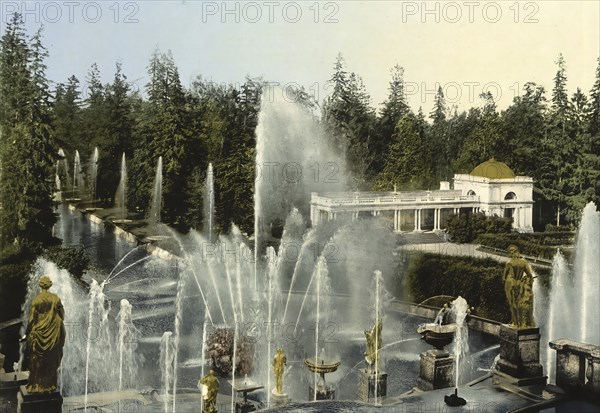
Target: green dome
(493, 169)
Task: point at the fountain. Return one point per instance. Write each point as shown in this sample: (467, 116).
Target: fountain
(94, 173)
(166, 364)
(570, 284)
(209, 202)
(156, 205)
(120, 195)
(66, 173)
(77, 174)
(331, 274)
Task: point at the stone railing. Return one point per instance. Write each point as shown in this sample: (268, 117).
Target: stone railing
(392, 200)
(577, 366)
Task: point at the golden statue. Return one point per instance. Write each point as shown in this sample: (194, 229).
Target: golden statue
(210, 397)
(518, 286)
(279, 362)
(45, 339)
(373, 344)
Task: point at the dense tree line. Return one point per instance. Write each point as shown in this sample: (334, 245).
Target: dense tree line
(554, 139)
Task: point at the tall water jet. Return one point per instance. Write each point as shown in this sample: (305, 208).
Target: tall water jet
(587, 276)
(166, 365)
(561, 298)
(459, 308)
(77, 173)
(573, 310)
(65, 172)
(98, 335)
(209, 202)
(94, 173)
(286, 176)
(127, 338)
(120, 196)
(156, 206)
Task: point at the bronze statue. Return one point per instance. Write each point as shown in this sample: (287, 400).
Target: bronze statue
(279, 362)
(518, 286)
(210, 399)
(45, 339)
(373, 344)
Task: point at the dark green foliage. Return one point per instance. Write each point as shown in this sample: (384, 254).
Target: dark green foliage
(349, 122)
(73, 259)
(406, 163)
(540, 245)
(477, 280)
(27, 150)
(466, 227)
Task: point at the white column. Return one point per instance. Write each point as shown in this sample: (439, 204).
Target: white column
(395, 220)
(435, 219)
(399, 220)
(418, 220)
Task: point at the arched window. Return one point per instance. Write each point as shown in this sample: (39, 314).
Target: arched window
(471, 192)
(510, 195)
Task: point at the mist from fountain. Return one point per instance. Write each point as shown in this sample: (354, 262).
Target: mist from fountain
(128, 336)
(155, 207)
(285, 175)
(459, 308)
(120, 195)
(209, 202)
(78, 183)
(166, 365)
(572, 309)
(66, 172)
(94, 173)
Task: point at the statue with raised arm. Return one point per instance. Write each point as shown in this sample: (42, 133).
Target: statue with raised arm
(373, 337)
(518, 287)
(279, 362)
(210, 395)
(45, 337)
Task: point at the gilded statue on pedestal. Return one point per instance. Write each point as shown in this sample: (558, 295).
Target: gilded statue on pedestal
(45, 337)
(518, 287)
(279, 362)
(373, 344)
(212, 389)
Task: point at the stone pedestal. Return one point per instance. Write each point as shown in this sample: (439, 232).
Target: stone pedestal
(325, 392)
(278, 400)
(577, 366)
(244, 407)
(520, 355)
(371, 386)
(38, 402)
(436, 370)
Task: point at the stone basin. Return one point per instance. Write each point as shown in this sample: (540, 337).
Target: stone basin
(437, 335)
(322, 366)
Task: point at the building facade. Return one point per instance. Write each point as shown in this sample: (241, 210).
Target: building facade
(491, 188)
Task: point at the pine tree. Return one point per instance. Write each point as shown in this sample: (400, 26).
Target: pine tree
(393, 109)
(594, 120)
(438, 138)
(27, 149)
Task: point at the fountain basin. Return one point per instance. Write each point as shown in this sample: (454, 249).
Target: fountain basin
(437, 335)
(325, 366)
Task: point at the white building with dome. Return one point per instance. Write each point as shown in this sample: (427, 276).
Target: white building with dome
(492, 188)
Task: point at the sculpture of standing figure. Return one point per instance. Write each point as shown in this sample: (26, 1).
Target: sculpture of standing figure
(518, 287)
(279, 362)
(45, 339)
(373, 344)
(210, 399)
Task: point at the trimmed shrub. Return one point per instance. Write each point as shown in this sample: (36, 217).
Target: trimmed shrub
(73, 259)
(465, 228)
(478, 280)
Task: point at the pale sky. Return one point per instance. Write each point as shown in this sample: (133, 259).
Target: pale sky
(465, 46)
